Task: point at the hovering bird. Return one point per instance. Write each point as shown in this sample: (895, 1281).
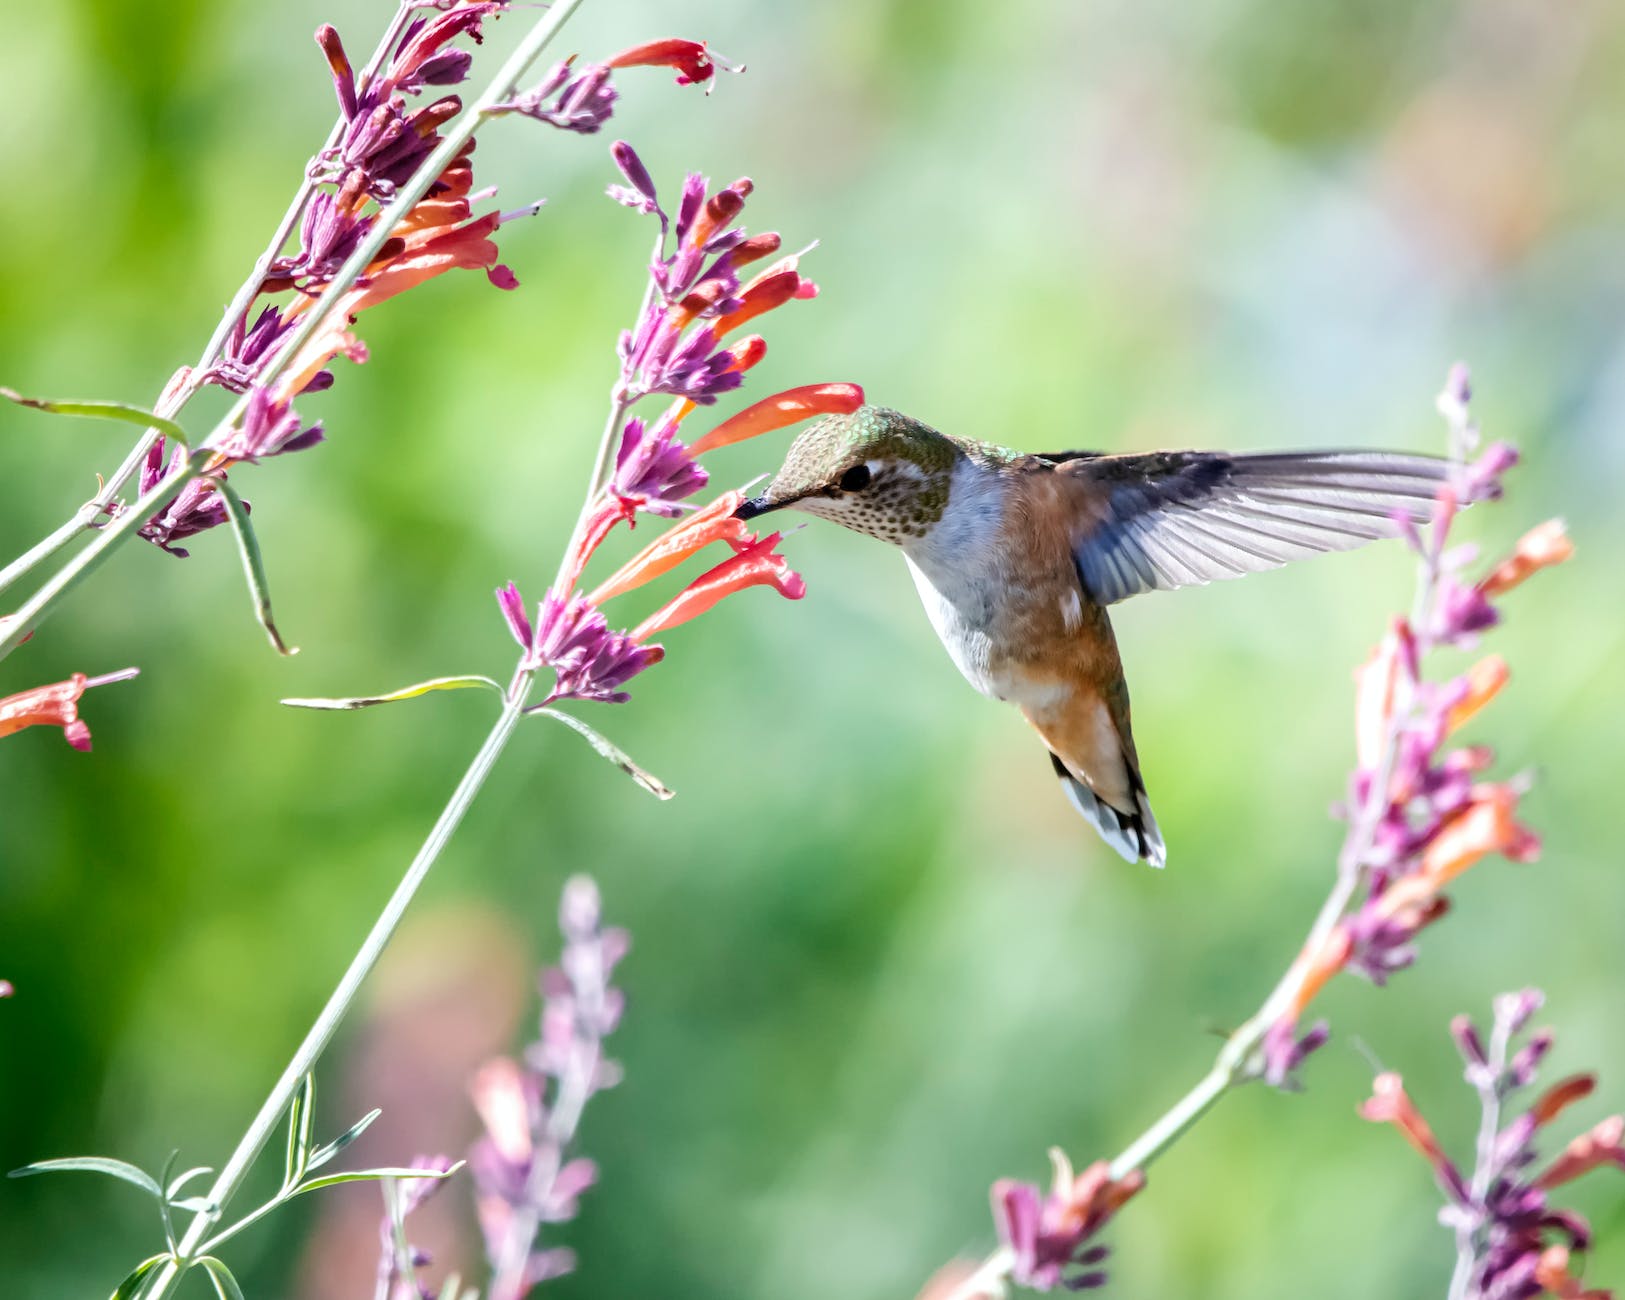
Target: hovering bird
(1016, 557)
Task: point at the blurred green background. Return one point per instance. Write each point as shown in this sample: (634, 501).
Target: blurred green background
(878, 962)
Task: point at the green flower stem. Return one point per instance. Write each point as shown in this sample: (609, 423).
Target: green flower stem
(501, 87)
(176, 397)
(338, 1003)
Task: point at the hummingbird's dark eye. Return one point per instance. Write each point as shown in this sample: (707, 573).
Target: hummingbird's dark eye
(855, 479)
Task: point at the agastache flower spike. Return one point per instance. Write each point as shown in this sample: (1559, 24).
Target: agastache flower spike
(1510, 1243)
(1419, 818)
(531, 1108)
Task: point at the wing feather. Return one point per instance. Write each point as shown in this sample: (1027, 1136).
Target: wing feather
(1176, 519)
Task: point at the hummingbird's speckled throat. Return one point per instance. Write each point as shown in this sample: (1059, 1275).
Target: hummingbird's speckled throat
(1017, 556)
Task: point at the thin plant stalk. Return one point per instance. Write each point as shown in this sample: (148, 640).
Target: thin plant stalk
(501, 87)
(321, 1033)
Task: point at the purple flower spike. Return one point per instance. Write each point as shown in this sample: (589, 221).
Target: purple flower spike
(1511, 1243)
(530, 1109)
(653, 471)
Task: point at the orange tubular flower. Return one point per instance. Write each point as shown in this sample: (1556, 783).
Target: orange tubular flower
(759, 564)
(779, 410)
(691, 60)
(1484, 682)
(1319, 966)
(1391, 1104)
(1552, 1273)
(713, 524)
(1375, 683)
(56, 705)
(1603, 1145)
(1561, 1095)
(1484, 826)
(1540, 547)
(763, 295)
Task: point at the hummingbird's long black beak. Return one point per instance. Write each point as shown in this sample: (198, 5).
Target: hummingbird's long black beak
(753, 506)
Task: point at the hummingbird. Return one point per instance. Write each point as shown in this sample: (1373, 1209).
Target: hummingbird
(1017, 556)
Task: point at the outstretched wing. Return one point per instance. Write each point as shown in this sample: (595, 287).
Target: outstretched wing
(1181, 518)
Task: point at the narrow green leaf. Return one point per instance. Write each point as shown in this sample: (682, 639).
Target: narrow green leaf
(368, 1175)
(613, 752)
(172, 1189)
(120, 411)
(321, 1156)
(163, 1201)
(225, 1285)
(405, 693)
(196, 1205)
(136, 1276)
(253, 564)
(301, 1121)
(95, 1165)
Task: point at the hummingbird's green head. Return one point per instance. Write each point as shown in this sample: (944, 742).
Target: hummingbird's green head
(874, 471)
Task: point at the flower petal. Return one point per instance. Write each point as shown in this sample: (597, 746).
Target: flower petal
(1542, 546)
(779, 410)
(757, 565)
(714, 523)
(1484, 682)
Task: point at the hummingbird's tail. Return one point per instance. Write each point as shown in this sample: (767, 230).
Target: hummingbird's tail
(1133, 834)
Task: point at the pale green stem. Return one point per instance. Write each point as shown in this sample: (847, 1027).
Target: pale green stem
(175, 399)
(1472, 1238)
(338, 1003)
(501, 87)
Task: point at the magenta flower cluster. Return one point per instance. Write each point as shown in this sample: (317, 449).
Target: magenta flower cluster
(654, 470)
(572, 101)
(572, 637)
